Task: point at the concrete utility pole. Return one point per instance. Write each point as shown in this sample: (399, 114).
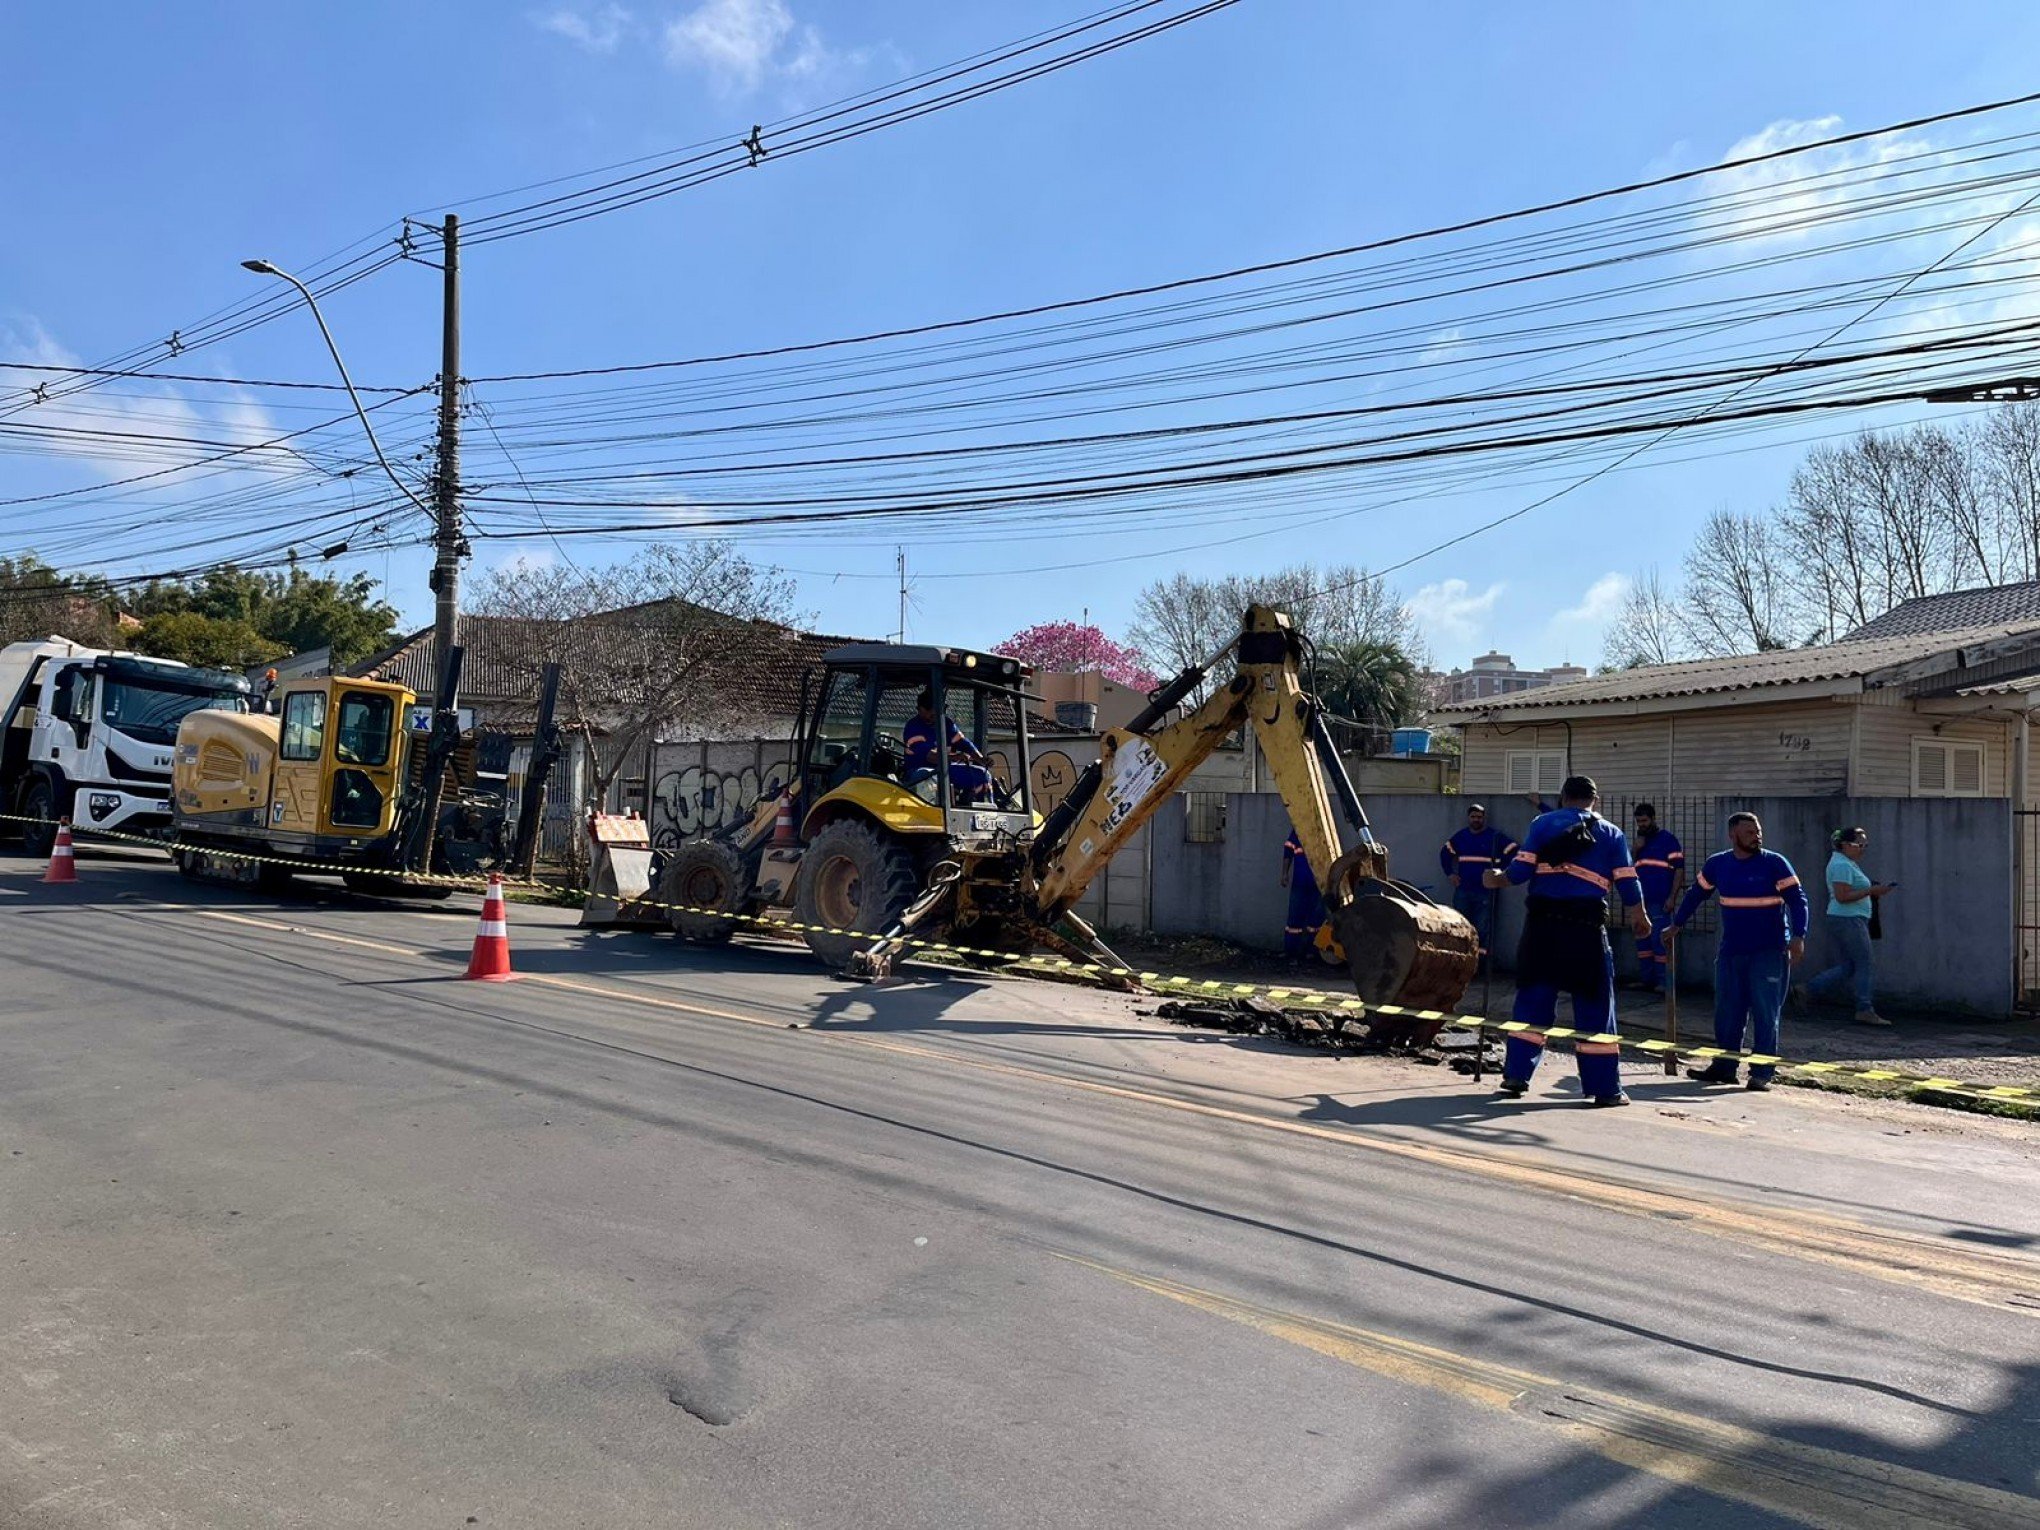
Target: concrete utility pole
(447, 540)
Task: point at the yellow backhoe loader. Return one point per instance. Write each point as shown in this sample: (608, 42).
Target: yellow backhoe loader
(865, 851)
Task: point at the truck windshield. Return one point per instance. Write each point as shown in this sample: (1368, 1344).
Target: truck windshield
(151, 713)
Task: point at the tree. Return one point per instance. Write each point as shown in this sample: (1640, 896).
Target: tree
(665, 640)
(38, 601)
(1080, 648)
(1182, 620)
(1649, 629)
(1370, 682)
(1737, 598)
(198, 620)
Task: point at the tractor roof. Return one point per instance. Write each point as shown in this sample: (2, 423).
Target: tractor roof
(964, 663)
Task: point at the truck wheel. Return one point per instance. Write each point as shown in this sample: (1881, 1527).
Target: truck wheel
(39, 801)
(704, 874)
(853, 877)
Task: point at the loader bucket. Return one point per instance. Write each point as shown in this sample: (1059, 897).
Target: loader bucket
(1407, 951)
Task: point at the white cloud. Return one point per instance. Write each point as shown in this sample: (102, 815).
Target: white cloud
(89, 427)
(732, 41)
(742, 45)
(1600, 605)
(597, 28)
(1450, 614)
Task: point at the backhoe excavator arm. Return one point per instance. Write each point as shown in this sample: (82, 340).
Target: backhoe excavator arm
(1403, 948)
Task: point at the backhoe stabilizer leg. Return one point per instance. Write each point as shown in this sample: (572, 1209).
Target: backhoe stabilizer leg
(877, 960)
(1088, 948)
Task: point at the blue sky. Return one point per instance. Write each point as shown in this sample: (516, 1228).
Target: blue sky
(154, 147)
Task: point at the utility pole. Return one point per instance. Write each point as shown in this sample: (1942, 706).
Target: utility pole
(447, 539)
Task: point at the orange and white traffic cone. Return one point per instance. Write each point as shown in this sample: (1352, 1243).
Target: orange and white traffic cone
(784, 834)
(63, 859)
(491, 960)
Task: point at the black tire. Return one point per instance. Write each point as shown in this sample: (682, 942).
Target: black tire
(853, 877)
(189, 866)
(39, 801)
(703, 874)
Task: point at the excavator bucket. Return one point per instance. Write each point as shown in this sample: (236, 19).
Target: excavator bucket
(1403, 950)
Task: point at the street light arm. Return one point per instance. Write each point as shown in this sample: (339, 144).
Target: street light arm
(264, 268)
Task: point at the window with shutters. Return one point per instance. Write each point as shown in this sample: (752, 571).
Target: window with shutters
(1947, 768)
(1535, 770)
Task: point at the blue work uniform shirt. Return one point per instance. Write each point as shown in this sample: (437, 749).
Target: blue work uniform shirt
(1603, 865)
(1762, 903)
(1470, 852)
(919, 737)
(1659, 859)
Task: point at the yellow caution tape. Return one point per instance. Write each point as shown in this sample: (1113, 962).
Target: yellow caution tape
(1162, 983)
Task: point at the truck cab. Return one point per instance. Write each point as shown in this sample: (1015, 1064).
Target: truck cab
(88, 734)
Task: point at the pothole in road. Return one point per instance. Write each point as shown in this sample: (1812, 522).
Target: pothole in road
(708, 1408)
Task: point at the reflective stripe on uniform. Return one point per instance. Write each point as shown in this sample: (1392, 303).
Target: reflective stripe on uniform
(1728, 902)
(1788, 882)
(1625, 873)
(1587, 1048)
(1525, 855)
(1704, 884)
(1575, 871)
(1535, 1038)
(1656, 865)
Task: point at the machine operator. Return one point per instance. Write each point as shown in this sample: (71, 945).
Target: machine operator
(969, 778)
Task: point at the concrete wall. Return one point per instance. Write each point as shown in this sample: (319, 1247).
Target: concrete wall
(1949, 931)
(1949, 938)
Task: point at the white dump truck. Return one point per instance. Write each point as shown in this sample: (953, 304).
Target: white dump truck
(86, 734)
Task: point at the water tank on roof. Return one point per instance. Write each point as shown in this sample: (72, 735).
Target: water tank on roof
(1079, 715)
(1412, 741)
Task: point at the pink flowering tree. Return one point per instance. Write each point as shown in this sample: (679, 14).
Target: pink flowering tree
(1080, 648)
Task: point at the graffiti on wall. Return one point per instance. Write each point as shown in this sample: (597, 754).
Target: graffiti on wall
(698, 799)
(1053, 774)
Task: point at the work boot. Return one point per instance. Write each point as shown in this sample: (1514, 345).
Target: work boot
(1758, 1084)
(1608, 1101)
(1713, 1073)
(1513, 1088)
(1870, 1017)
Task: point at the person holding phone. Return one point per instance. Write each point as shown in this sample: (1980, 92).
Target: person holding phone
(1851, 913)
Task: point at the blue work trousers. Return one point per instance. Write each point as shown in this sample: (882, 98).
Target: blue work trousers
(1577, 959)
(1306, 910)
(1749, 991)
(1852, 946)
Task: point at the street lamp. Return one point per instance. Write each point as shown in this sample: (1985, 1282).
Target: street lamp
(264, 268)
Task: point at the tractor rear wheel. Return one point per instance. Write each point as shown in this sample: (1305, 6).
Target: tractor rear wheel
(855, 879)
(704, 874)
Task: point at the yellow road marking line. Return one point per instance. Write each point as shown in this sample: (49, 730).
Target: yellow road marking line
(1992, 1280)
(1829, 1489)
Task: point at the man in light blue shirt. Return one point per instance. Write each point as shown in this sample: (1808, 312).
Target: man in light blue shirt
(1852, 900)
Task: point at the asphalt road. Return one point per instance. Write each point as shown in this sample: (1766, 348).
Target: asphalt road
(297, 1228)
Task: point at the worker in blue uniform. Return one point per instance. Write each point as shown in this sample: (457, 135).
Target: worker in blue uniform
(1572, 858)
(969, 779)
(1306, 901)
(1661, 871)
(1466, 859)
(1763, 933)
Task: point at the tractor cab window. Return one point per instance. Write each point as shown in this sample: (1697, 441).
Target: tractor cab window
(891, 753)
(836, 750)
(361, 734)
(304, 725)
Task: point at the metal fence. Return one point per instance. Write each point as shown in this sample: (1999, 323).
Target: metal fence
(1695, 821)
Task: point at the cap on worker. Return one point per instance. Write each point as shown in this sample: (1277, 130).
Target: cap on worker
(1474, 807)
(1578, 789)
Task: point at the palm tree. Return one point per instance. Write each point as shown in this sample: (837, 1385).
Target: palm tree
(1370, 682)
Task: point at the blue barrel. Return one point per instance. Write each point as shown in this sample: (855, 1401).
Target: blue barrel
(1412, 741)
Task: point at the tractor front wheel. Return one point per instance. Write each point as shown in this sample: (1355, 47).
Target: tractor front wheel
(855, 881)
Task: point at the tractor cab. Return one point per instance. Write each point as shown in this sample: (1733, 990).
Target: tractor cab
(924, 740)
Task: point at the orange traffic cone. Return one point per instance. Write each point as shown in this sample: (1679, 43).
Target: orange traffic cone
(491, 960)
(63, 859)
(783, 832)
